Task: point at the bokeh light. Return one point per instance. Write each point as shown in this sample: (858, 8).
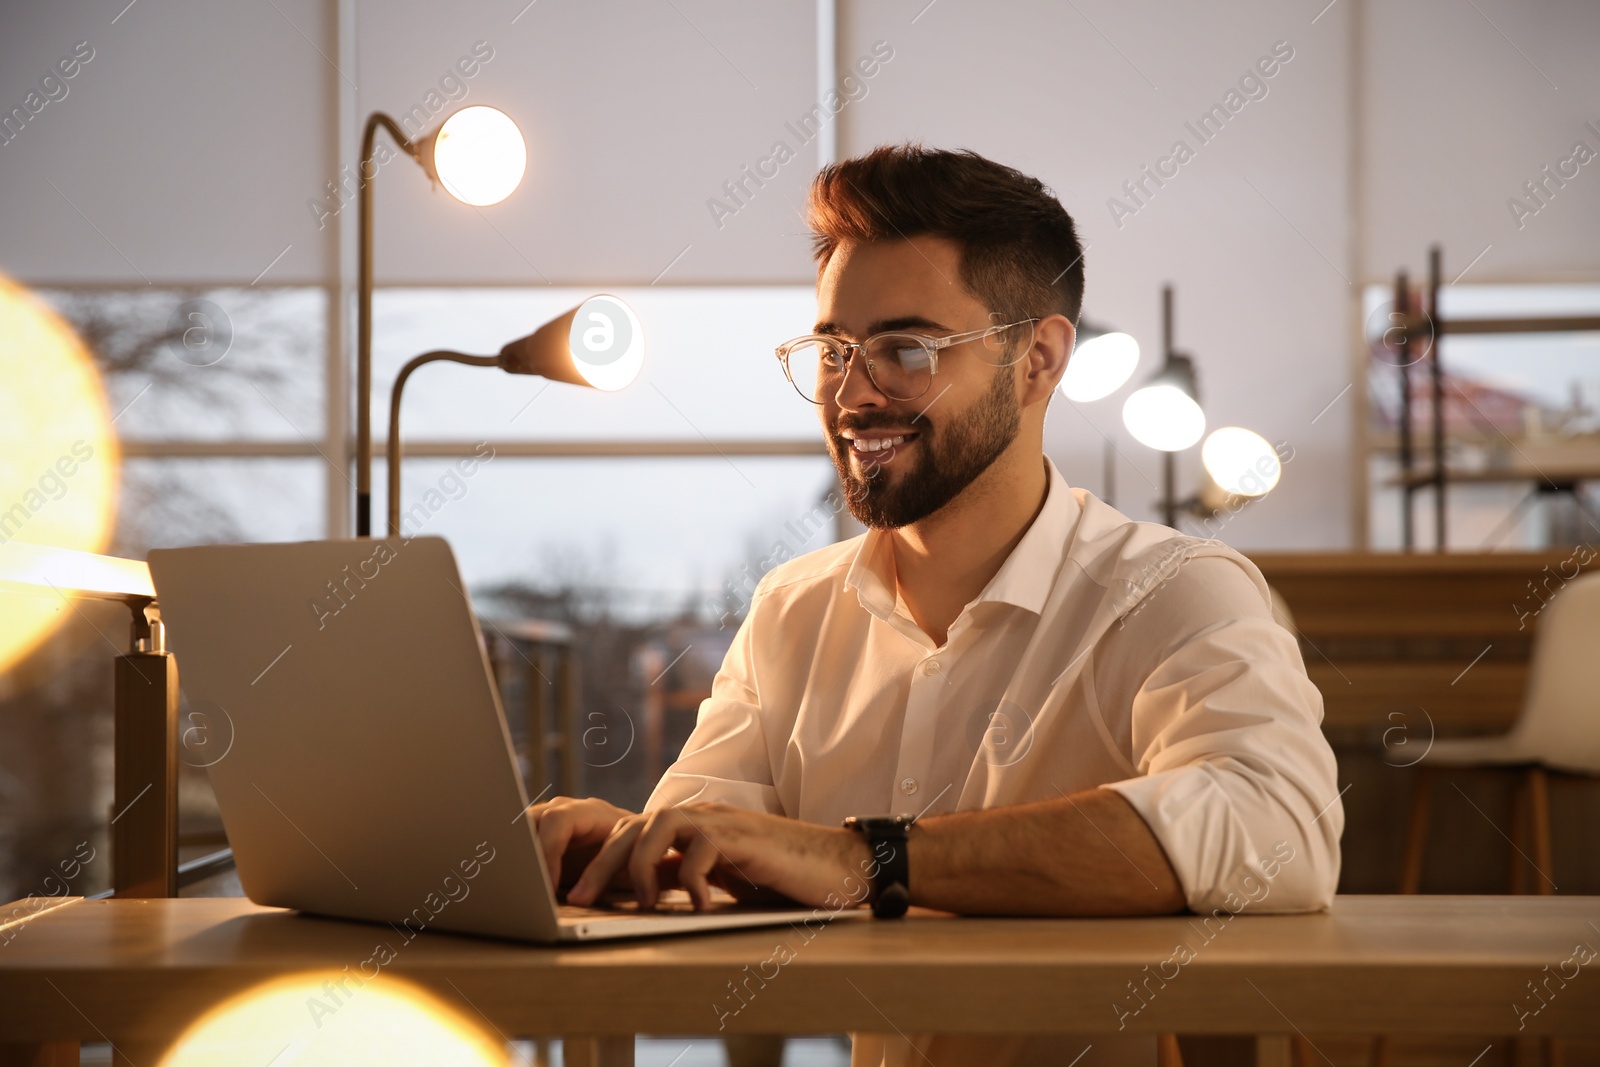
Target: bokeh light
(1163, 417)
(1099, 367)
(479, 155)
(59, 459)
(332, 1019)
(1241, 461)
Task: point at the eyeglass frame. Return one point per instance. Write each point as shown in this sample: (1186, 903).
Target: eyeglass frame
(932, 344)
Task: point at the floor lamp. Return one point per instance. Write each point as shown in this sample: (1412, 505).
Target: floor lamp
(479, 156)
(1165, 414)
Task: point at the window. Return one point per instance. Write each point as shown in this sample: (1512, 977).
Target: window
(1521, 417)
(223, 408)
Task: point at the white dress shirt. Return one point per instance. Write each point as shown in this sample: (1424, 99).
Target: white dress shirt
(1104, 652)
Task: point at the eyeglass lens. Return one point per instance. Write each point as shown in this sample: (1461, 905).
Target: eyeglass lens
(900, 366)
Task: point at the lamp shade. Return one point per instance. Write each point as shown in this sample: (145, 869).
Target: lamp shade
(1165, 414)
(479, 155)
(65, 570)
(599, 343)
(1099, 367)
(1241, 461)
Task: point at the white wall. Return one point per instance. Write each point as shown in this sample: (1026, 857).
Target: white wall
(635, 114)
(1253, 231)
(193, 140)
(1465, 103)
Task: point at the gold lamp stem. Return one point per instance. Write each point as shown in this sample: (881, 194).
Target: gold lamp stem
(394, 420)
(366, 173)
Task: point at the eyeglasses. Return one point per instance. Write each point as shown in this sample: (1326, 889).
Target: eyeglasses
(900, 365)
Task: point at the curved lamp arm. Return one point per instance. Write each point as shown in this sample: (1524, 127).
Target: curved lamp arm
(394, 420)
(365, 174)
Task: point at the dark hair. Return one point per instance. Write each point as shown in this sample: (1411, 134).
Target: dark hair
(1020, 253)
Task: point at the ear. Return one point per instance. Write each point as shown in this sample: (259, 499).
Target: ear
(1046, 362)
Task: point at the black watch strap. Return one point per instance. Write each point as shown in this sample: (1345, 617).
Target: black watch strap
(886, 836)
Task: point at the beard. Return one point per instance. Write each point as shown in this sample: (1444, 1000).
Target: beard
(951, 458)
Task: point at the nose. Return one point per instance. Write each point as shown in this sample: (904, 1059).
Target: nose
(856, 389)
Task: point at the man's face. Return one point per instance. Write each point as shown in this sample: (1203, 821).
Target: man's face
(953, 432)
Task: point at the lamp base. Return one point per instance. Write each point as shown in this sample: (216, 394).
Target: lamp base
(144, 827)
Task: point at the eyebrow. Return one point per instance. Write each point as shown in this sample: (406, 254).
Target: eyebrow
(904, 322)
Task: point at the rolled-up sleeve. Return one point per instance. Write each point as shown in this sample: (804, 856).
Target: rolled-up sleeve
(726, 757)
(1236, 781)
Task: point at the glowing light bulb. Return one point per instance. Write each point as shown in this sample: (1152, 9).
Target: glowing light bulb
(1163, 417)
(1241, 461)
(1099, 367)
(479, 155)
(607, 343)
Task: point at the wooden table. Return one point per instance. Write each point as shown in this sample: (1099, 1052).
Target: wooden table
(137, 971)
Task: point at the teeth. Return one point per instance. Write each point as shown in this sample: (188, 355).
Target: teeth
(877, 444)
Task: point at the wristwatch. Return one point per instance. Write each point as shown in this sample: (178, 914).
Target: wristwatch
(886, 837)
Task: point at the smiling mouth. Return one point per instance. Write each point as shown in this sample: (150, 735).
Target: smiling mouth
(879, 448)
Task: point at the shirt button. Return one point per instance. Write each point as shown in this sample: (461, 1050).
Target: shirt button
(931, 667)
(908, 786)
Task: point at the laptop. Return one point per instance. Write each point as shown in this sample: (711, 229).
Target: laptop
(339, 695)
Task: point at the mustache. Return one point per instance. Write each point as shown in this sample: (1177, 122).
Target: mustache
(917, 424)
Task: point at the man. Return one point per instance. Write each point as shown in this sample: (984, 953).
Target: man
(1085, 715)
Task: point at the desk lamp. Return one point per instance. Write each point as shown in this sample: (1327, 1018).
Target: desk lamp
(144, 830)
(599, 343)
(479, 156)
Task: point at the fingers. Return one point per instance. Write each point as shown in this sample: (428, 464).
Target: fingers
(667, 872)
(664, 832)
(612, 857)
(695, 870)
(564, 823)
(649, 850)
(663, 847)
(556, 823)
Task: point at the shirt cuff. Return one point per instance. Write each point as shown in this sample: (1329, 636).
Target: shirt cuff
(1189, 811)
(682, 788)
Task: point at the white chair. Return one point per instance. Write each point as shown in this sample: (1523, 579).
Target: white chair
(1558, 730)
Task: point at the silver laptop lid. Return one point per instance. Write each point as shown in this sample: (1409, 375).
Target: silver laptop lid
(370, 773)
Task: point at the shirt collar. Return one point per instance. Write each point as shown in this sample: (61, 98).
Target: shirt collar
(1023, 580)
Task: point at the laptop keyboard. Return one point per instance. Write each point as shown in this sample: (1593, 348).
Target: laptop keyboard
(624, 906)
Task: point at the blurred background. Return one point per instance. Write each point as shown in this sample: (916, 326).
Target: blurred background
(204, 155)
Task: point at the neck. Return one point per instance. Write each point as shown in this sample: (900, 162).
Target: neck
(944, 561)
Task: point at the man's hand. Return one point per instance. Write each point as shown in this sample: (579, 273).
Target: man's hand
(571, 829)
(748, 853)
